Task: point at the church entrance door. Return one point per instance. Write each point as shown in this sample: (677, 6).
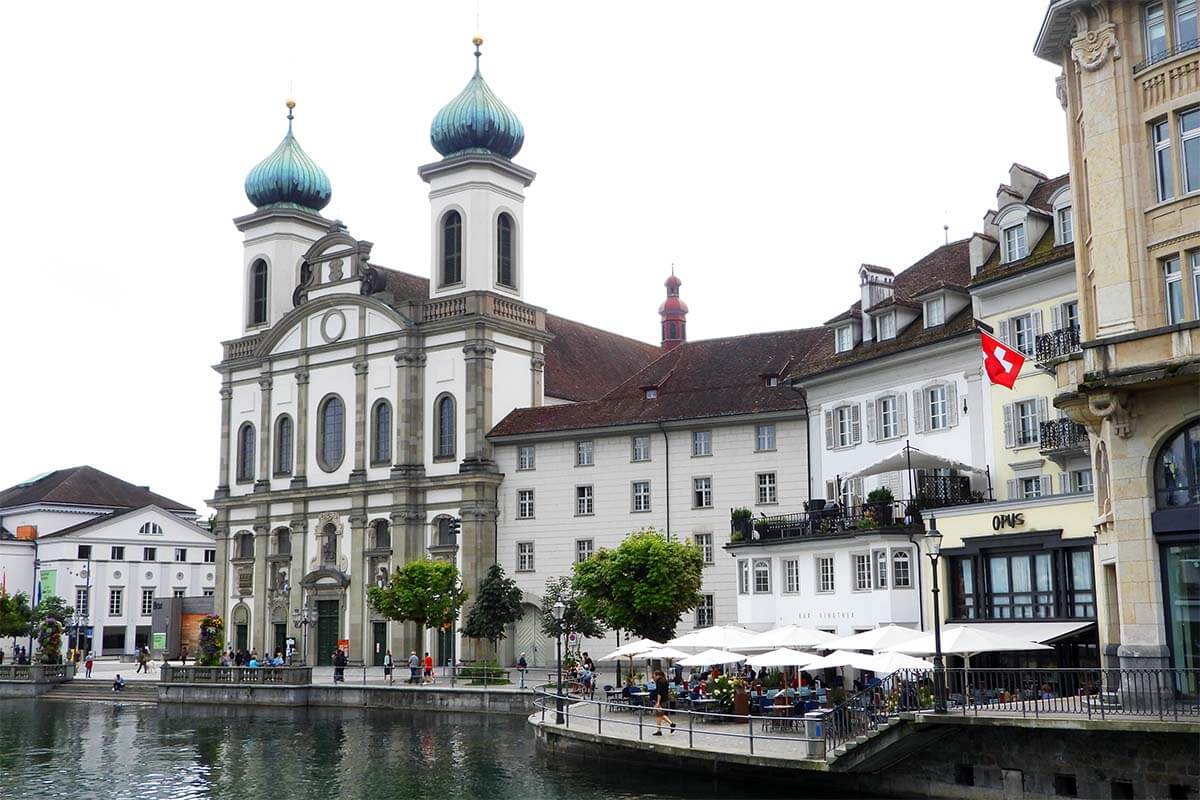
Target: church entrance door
(327, 630)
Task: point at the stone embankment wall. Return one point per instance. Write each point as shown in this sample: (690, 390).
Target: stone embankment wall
(485, 701)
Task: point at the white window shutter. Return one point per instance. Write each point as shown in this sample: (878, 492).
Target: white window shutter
(856, 423)
(1047, 485)
(856, 492)
(902, 412)
(1004, 331)
(952, 402)
(830, 490)
(919, 411)
(1010, 439)
(1056, 317)
(871, 425)
(1037, 322)
(1014, 490)
(1043, 415)
(828, 430)
(1064, 482)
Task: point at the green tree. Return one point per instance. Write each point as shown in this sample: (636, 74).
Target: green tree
(52, 607)
(574, 618)
(497, 605)
(426, 592)
(15, 616)
(644, 586)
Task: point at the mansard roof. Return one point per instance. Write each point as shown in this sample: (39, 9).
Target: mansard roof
(86, 486)
(946, 267)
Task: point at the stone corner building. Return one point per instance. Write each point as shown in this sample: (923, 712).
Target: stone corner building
(355, 404)
(1132, 106)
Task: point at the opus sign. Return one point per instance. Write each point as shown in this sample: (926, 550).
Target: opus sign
(1003, 521)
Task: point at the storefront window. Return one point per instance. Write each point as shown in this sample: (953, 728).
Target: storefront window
(1177, 469)
(962, 588)
(1046, 584)
(1181, 565)
(1081, 599)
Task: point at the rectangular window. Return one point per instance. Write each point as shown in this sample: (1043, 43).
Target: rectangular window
(81, 602)
(83, 552)
(762, 576)
(825, 574)
(524, 556)
(962, 589)
(584, 453)
(889, 418)
(1066, 226)
(844, 339)
(181, 554)
(743, 576)
(210, 556)
(1025, 414)
(584, 549)
(641, 495)
(1020, 586)
(149, 553)
(844, 420)
(1023, 335)
(701, 443)
(702, 493)
(768, 492)
(641, 448)
(862, 572)
(584, 505)
(705, 612)
(1173, 278)
(791, 576)
(117, 554)
(1070, 315)
(939, 411)
(1081, 589)
(179, 593)
(901, 570)
(1156, 32)
(881, 568)
(1163, 172)
(935, 312)
(525, 504)
(207, 592)
(1030, 487)
(1194, 257)
(1189, 136)
(115, 607)
(885, 327)
(764, 437)
(147, 602)
(704, 541)
(1081, 480)
(1186, 31)
(1014, 243)
(526, 457)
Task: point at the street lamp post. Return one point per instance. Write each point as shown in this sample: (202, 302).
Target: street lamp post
(301, 618)
(560, 611)
(931, 545)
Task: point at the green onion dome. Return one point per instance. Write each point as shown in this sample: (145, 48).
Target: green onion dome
(476, 121)
(288, 178)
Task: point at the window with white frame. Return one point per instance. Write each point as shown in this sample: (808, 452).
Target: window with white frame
(81, 602)
(584, 501)
(1014, 242)
(843, 339)
(825, 574)
(901, 570)
(651, 393)
(1023, 333)
(791, 576)
(935, 312)
(1070, 314)
(1156, 31)
(1081, 480)
(210, 556)
(1194, 258)
(706, 612)
(889, 417)
(147, 602)
(885, 326)
(1189, 140)
(881, 568)
(1187, 32)
(207, 592)
(1173, 281)
(939, 408)
(177, 593)
(1164, 174)
(1066, 225)
(117, 553)
(1026, 423)
(846, 423)
(181, 554)
(743, 576)
(701, 443)
(525, 504)
(764, 437)
(149, 553)
(702, 493)
(641, 496)
(115, 605)
(862, 572)
(524, 556)
(1030, 487)
(584, 453)
(584, 549)
(704, 541)
(762, 576)
(526, 457)
(641, 448)
(768, 491)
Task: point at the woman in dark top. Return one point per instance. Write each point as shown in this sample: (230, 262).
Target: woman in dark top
(662, 697)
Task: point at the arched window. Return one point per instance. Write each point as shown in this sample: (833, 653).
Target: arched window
(1177, 469)
(381, 536)
(258, 293)
(283, 542)
(381, 432)
(245, 545)
(451, 248)
(331, 432)
(245, 452)
(151, 529)
(283, 445)
(901, 570)
(504, 251)
(329, 544)
(445, 427)
(445, 532)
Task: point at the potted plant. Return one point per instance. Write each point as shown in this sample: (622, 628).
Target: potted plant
(880, 500)
(740, 520)
(760, 526)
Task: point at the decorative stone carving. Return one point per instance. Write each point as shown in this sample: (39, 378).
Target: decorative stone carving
(1090, 48)
(329, 518)
(360, 367)
(410, 358)
(1060, 90)
(1117, 408)
(481, 349)
(226, 392)
(301, 376)
(335, 269)
(333, 325)
(265, 383)
(537, 362)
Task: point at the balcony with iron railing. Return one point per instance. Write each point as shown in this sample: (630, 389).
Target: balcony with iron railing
(1182, 47)
(1062, 436)
(1054, 346)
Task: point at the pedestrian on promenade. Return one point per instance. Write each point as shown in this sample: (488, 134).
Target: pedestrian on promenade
(118, 683)
(662, 698)
(1, 655)
(387, 667)
(87, 666)
(429, 667)
(141, 662)
(183, 656)
(522, 668)
(414, 667)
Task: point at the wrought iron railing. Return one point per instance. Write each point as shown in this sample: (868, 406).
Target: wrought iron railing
(1183, 47)
(1056, 344)
(831, 519)
(1059, 435)
(941, 491)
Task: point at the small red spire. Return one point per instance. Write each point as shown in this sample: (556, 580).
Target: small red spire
(674, 314)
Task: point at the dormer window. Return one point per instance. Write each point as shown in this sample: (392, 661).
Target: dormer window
(843, 339)
(885, 326)
(770, 381)
(1014, 243)
(1065, 224)
(651, 393)
(935, 312)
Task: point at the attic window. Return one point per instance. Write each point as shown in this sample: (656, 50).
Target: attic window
(771, 380)
(935, 312)
(1014, 243)
(843, 339)
(885, 326)
(651, 393)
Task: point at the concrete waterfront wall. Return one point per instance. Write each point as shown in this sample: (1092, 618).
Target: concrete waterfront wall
(23, 688)
(414, 698)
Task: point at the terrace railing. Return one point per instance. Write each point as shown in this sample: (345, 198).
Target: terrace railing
(1062, 435)
(252, 676)
(1053, 345)
(37, 673)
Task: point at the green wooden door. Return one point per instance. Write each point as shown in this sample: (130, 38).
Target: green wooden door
(327, 630)
(380, 643)
(280, 638)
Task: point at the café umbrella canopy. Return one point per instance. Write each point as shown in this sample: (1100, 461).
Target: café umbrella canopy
(875, 640)
(965, 641)
(841, 658)
(630, 649)
(783, 657)
(909, 457)
(717, 636)
(712, 657)
(663, 652)
(887, 663)
(790, 636)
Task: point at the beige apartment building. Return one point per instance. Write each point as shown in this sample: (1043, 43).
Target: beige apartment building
(1130, 87)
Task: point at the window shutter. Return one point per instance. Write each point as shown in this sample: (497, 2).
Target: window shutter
(919, 411)
(1064, 482)
(856, 489)
(1013, 490)
(1037, 322)
(1010, 440)
(952, 402)
(828, 430)
(1004, 331)
(856, 423)
(1047, 485)
(871, 425)
(1043, 415)
(830, 490)
(902, 412)
(1056, 318)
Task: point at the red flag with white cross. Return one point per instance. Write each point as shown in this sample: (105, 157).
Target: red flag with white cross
(1002, 363)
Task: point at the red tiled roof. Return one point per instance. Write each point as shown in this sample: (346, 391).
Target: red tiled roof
(86, 486)
(1039, 198)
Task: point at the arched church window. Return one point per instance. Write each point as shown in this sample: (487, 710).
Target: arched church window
(381, 535)
(381, 432)
(245, 545)
(283, 445)
(258, 293)
(245, 452)
(445, 426)
(445, 532)
(451, 248)
(331, 432)
(1177, 469)
(329, 544)
(504, 251)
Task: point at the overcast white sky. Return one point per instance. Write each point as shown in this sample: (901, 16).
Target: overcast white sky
(766, 148)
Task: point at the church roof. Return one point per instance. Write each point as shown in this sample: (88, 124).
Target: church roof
(85, 486)
(288, 177)
(476, 121)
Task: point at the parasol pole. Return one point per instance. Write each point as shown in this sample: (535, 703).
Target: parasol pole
(912, 488)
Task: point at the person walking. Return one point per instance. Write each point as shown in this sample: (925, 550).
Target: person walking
(414, 667)
(387, 668)
(87, 665)
(183, 656)
(429, 667)
(522, 668)
(662, 698)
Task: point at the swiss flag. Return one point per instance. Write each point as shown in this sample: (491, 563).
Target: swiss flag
(1003, 363)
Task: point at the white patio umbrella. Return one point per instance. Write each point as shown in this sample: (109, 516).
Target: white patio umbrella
(907, 458)
(875, 640)
(708, 658)
(965, 641)
(841, 658)
(718, 636)
(887, 663)
(630, 649)
(783, 657)
(790, 636)
(663, 652)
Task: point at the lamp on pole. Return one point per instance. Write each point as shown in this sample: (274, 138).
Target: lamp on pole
(931, 545)
(301, 618)
(560, 610)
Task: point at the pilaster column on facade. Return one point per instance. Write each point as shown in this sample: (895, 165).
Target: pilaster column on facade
(263, 484)
(226, 421)
(978, 417)
(477, 406)
(220, 531)
(300, 467)
(298, 533)
(477, 551)
(408, 544)
(356, 595)
(260, 622)
(537, 374)
(410, 412)
(359, 473)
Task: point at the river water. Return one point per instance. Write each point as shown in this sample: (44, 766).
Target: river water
(123, 750)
